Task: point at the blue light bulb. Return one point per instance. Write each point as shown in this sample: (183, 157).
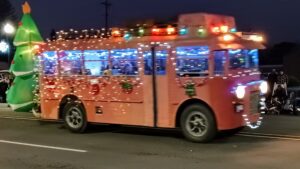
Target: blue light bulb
(233, 30)
(127, 36)
(183, 31)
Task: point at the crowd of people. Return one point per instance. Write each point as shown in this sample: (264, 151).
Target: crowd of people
(278, 100)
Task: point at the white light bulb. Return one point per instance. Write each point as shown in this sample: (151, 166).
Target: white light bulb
(8, 28)
(240, 92)
(263, 87)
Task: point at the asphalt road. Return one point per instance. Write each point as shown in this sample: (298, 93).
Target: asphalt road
(29, 144)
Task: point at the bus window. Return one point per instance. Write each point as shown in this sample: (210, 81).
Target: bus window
(70, 63)
(253, 58)
(237, 58)
(49, 62)
(161, 57)
(124, 62)
(243, 58)
(192, 60)
(219, 61)
(95, 62)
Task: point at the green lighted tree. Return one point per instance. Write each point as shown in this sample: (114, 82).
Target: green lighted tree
(20, 95)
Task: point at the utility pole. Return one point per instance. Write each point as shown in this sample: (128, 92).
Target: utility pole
(106, 5)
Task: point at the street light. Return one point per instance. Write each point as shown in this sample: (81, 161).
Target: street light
(9, 29)
(4, 47)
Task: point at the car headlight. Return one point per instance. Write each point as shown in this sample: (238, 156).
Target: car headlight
(240, 92)
(263, 87)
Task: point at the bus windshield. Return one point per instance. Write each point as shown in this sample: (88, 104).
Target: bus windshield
(243, 59)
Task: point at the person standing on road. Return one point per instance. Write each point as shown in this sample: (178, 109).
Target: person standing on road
(272, 78)
(3, 88)
(282, 81)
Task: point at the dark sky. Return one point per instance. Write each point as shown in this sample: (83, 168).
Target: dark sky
(278, 19)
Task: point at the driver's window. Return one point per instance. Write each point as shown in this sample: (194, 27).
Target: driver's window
(237, 58)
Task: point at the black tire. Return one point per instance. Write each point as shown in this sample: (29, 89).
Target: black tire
(201, 119)
(74, 117)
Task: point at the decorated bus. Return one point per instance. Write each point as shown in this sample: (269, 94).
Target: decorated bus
(200, 75)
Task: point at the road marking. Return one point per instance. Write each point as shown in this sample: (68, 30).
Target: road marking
(43, 146)
(5, 109)
(19, 118)
(269, 137)
(274, 135)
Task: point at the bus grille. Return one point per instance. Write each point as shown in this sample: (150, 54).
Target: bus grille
(254, 102)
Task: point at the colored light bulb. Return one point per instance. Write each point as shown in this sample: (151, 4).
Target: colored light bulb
(170, 30)
(233, 30)
(224, 29)
(201, 32)
(141, 31)
(215, 29)
(127, 36)
(183, 31)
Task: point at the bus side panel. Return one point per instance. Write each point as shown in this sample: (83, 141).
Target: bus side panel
(218, 97)
(178, 96)
(222, 104)
(163, 107)
(118, 113)
(49, 109)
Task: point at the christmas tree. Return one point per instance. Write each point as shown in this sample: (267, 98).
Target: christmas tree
(20, 95)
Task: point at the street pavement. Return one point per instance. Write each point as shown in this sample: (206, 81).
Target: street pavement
(27, 143)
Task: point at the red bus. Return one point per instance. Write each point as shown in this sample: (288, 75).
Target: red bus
(200, 75)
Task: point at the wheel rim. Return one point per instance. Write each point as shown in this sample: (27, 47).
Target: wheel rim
(74, 117)
(197, 124)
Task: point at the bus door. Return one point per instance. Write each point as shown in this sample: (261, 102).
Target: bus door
(156, 84)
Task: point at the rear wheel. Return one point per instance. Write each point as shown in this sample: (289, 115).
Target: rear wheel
(74, 117)
(198, 123)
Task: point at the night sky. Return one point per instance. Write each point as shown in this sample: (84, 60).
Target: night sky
(278, 19)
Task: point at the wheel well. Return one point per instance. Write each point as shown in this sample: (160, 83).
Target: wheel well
(186, 104)
(63, 103)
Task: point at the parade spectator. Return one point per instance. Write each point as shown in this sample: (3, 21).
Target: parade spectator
(4, 83)
(281, 81)
(272, 77)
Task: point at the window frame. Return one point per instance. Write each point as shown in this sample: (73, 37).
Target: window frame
(166, 61)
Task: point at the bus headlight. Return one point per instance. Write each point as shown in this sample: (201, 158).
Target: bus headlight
(240, 92)
(263, 87)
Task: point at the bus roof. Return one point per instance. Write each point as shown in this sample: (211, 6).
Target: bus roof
(216, 31)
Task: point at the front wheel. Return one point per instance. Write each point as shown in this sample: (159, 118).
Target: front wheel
(74, 117)
(198, 123)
